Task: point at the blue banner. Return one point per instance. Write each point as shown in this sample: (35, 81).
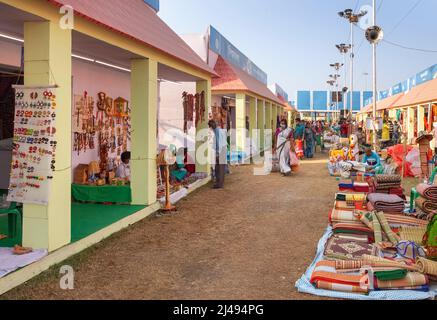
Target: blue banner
(154, 4)
(320, 100)
(280, 93)
(367, 98)
(304, 100)
(396, 89)
(383, 94)
(220, 45)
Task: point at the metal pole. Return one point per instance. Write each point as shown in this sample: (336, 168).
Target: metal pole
(374, 79)
(352, 69)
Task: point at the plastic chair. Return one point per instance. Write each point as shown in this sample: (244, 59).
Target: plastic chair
(415, 195)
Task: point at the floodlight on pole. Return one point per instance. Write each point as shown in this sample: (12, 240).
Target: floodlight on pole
(353, 18)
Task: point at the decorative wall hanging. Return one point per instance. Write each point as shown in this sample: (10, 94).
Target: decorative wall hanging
(33, 157)
(194, 107)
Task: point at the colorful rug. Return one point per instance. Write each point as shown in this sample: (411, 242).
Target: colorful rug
(304, 284)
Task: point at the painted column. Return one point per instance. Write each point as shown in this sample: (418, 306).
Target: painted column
(410, 124)
(253, 133)
(268, 130)
(261, 122)
(289, 115)
(47, 61)
(420, 118)
(202, 159)
(144, 96)
(240, 121)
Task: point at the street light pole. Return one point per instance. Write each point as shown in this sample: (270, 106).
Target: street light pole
(374, 79)
(352, 71)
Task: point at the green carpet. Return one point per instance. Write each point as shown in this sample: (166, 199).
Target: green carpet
(86, 219)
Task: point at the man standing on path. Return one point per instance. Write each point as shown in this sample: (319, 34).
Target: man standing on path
(220, 149)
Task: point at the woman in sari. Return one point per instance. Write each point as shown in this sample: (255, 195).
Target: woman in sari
(284, 143)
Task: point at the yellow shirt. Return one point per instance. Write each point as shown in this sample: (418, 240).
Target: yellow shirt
(386, 132)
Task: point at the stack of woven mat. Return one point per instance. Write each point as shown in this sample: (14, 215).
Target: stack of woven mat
(427, 202)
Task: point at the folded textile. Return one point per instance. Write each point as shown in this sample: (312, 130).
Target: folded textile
(325, 285)
(388, 178)
(354, 237)
(410, 250)
(342, 249)
(351, 197)
(390, 275)
(427, 191)
(342, 216)
(403, 220)
(344, 205)
(389, 203)
(424, 288)
(412, 279)
(353, 228)
(427, 206)
(326, 272)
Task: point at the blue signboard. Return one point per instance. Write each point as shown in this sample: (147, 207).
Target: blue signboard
(281, 92)
(304, 100)
(356, 102)
(404, 86)
(367, 98)
(320, 100)
(425, 75)
(154, 4)
(396, 89)
(383, 94)
(220, 45)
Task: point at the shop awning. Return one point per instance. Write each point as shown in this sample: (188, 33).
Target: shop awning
(232, 79)
(138, 21)
(385, 104)
(422, 94)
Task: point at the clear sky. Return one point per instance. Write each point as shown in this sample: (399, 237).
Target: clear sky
(294, 40)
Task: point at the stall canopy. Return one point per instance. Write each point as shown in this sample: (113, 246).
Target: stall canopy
(385, 104)
(424, 93)
(232, 79)
(139, 22)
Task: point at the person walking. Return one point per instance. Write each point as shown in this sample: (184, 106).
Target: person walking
(220, 149)
(284, 144)
(309, 141)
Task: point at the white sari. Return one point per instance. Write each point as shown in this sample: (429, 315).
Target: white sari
(283, 150)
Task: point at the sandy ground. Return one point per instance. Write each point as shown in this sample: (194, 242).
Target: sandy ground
(252, 240)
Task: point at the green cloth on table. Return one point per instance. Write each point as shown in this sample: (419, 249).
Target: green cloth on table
(391, 275)
(101, 194)
(14, 215)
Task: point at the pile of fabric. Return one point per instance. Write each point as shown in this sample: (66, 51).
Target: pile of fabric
(389, 203)
(354, 186)
(388, 184)
(371, 246)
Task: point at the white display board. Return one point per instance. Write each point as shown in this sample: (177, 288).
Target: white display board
(33, 155)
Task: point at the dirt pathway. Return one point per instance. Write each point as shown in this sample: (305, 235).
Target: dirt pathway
(252, 240)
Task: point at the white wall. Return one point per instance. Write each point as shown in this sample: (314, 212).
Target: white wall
(94, 78)
(10, 53)
(171, 113)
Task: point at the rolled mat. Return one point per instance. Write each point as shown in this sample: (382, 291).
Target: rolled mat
(377, 229)
(392, 237)
(427, 191)
(414, 234)
(374, 261)
(427, 266)
(388, 178)
(427, 206)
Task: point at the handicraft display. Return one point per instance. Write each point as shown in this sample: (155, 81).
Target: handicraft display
(33, 156)
(194, 109)
(102, 124)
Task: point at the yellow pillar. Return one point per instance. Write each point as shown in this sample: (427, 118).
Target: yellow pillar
(268, 131)
(144, 96)
(202, 164)
(253, 133)
(261, 122)
(274, 117)
(240, 121)
(420, 118)
(410, 124)
(289, 114)
(47, 61)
